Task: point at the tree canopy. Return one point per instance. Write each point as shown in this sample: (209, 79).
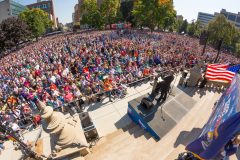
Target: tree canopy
(154, 13)
(221, 28)
(37, 20)
(109, 11)
(91, 14)
(194, 29)
(12, 32)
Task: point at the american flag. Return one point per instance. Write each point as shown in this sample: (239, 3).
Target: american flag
(221, 72)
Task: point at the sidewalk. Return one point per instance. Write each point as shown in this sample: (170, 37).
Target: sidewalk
(110, 116)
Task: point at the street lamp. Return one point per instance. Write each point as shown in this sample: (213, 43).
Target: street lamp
(219, 49)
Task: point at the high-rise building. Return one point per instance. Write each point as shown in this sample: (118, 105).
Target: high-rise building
(46, 6)
(232, 17)
(205, 18)
(10, 8)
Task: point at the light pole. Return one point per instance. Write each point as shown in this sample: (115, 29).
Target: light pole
(219, 49)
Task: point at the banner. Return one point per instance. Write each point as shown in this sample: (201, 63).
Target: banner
(222, 126)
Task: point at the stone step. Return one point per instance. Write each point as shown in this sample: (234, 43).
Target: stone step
(143, 151)
(202, 119)
(120, 142)
(116, 138)
(133, 143)
(191, 130)
(186, 124)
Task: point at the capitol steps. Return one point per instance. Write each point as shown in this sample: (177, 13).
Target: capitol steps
(133, 143)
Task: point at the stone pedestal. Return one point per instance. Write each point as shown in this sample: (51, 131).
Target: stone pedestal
(65, 133)
(195, 76)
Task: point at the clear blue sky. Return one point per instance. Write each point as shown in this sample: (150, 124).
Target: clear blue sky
(188, 8)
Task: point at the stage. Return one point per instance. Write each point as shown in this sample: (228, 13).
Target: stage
(162, 117)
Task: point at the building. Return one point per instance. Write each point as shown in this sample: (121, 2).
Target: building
(76, 15)
(10, 8)
(232, 17)
(179, 17)
(48, 7)
(205, 18)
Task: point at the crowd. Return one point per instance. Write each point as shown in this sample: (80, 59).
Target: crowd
(84, 68)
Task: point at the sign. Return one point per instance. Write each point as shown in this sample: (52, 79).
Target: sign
(222, 126)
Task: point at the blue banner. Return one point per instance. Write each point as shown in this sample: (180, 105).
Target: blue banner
(222, 126)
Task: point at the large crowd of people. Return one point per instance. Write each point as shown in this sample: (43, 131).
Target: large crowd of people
(87, 67)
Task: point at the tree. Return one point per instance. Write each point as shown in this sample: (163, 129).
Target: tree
(166, 15)
(37, 20)
(126, 10)
(183, 28)
(194, 29)
(178, 25)
(13, 31)
(220, 28)
(154, 13)
(91, 14)
(109, 10)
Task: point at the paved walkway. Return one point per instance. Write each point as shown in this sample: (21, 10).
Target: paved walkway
(108, 117)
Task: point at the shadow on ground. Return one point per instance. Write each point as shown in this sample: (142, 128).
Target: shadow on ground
(186, 137)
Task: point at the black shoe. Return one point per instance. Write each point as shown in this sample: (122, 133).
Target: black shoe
(110, 101)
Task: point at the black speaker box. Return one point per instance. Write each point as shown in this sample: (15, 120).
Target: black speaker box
(146, 103)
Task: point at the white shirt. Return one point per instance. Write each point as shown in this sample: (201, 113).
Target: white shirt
(53, 79)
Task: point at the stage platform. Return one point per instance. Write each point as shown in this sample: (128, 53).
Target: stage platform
(162, 117)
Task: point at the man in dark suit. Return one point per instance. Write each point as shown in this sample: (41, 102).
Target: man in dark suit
(165, 87)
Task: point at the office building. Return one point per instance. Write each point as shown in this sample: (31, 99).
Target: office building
(232, 17)
(205, 18)
(46, 6)
(10, 8)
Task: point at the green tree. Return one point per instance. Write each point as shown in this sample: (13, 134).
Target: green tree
(194, 29)
(166, 15)
(13, 31)
(91, 14)
(37, 20)
(154, 13)
(183, 27)
(126, 10)
(221, 28)
(178, 25)
(109, 10)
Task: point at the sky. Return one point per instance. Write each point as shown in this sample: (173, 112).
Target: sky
(63, 8)
(187, 8)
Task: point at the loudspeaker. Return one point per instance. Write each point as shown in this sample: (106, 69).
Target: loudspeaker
(146, 103)
(85, 120)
